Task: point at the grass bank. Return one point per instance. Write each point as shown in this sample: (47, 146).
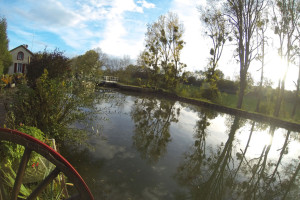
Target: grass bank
(229, 108)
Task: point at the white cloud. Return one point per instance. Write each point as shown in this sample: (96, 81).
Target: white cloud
(196, 52)
(117, 40)
(145, 4)
(193, 54)
(87, 24)
(51, 13)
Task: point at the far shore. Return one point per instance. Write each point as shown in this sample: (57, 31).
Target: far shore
(293, 126)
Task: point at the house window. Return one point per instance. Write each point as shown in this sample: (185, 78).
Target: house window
(20, 56)
(19, 68)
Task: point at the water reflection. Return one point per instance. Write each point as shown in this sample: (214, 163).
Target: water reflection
(224, 172)
(168, 150)
(152, 119)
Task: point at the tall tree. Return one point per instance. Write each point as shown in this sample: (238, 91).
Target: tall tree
(261, 39)
(162, 51)
(216, 28)
(296, 92)
(243, 17)
(5, 56)
(285, 19)
(298, 81)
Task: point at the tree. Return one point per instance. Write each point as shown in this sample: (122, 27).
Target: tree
(216, 28)
(162, 51)
(296, 92)
(52, 106)
(87, 65)
(114, 65)
(261, 38)
(57, 65)
(285, 19)
(243, 16)
(5, 56)
(152, 119)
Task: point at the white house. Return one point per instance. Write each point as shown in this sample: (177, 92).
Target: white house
(21, 58)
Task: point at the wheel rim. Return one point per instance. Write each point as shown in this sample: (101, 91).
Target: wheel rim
(62, 165)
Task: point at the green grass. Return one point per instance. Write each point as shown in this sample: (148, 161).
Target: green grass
(249, 104)
(230, 100)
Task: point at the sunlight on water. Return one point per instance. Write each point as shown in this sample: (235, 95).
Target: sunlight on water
(152, 148)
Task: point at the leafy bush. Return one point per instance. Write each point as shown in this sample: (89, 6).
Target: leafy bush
(51, 106)
(11, 151)
(210, 92)
(57, 65)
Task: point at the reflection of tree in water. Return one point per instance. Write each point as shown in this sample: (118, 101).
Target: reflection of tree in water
(269, 179)
(220, 174)
(152, 120)
(203, 172)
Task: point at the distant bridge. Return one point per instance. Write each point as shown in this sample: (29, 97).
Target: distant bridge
(109, 79)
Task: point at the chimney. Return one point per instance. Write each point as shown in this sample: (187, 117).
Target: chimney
(25, 45)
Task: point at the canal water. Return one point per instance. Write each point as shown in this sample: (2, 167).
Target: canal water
(153, 148)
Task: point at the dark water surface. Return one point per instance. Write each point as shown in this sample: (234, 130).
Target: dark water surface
(152, 148)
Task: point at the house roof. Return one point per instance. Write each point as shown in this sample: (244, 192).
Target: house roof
(24, 48)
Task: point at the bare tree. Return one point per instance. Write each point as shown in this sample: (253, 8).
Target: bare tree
(261, 37)
(243, 16)
(216, 28)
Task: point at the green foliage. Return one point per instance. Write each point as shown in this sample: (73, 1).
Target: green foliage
(152, 119)
(5, 56)
(87, 66)
(216, 28)
(266, 108)
(11, 151)
(33, 131)
(188, 91)
(37, 167)
(161, 57)
(51, 106)
(210, 91)
(57, 65)
(228, 86)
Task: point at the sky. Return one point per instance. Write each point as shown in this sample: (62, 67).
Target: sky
(118, 27)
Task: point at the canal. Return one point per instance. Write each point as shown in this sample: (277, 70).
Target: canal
(153, 148)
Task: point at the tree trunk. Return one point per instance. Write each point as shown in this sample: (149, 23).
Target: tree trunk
(242, 91)
(296, 95)
(277, 100)
(281, 93)
(262, 73)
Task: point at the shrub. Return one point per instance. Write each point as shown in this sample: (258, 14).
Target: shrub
(57, 65)
(50, 106)
(210, 92)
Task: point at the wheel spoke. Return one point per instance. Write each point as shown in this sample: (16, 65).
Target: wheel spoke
(32, 144)
(20, 174)
(44, 184)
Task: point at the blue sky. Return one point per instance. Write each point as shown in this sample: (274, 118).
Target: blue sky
(116, 26)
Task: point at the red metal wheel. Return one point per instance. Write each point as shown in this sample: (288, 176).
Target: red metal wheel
(61, 165)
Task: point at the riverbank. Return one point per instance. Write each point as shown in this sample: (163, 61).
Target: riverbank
(293, 126)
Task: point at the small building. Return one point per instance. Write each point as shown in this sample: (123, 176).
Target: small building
(21, 56)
